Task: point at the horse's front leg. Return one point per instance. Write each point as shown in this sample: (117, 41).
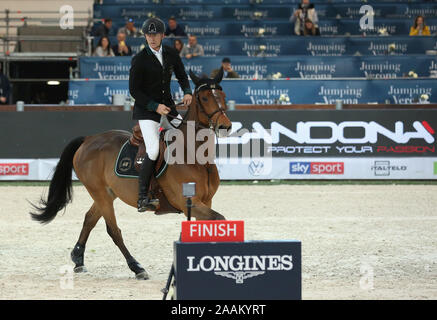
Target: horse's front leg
(201, 211)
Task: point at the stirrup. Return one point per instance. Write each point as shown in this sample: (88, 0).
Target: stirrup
(146, 204)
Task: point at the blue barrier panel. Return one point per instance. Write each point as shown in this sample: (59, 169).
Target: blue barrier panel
(251, 28)
(394, 26)
(314, 46)
(114, 68)
(305, 67)
(397, 91)
(284, 2)
(191, 12)
(266, 11)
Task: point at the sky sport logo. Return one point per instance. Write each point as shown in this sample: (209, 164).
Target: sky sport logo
(14, 169)
(240, 268)
(316, 167)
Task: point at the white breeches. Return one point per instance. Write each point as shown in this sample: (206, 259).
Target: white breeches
(150, 131)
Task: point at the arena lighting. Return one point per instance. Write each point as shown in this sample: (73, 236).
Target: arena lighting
(53, 83)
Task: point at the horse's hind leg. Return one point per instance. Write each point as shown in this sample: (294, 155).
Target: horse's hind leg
(77, 255)
(115, 234)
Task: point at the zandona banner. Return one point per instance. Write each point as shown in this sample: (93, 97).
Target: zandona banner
(346, 133)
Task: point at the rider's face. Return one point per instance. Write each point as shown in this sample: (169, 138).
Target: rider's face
(154, 40)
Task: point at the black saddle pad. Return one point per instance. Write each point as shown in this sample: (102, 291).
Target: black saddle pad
(125, 164)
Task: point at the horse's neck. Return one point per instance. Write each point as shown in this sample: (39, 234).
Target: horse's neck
(191, 118)
(191, 127)
(192, 112)
(190, 124)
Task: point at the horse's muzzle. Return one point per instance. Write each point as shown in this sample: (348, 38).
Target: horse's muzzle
(223, 131)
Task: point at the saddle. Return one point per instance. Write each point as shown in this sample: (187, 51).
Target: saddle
(137, 140)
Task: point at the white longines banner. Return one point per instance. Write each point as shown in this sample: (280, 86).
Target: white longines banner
(267, 168)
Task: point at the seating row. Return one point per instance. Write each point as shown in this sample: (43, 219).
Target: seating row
(313, 46)
(250, 28)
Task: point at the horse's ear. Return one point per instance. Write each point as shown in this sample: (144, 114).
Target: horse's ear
(218, 78)
(194, 77)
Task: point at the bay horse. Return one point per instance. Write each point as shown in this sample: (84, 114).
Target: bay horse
(93, 159)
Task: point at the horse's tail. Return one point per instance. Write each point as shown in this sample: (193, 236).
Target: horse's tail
(60, 190)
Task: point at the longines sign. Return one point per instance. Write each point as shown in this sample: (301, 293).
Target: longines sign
(238, 270)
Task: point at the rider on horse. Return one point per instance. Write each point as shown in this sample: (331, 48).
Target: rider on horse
(149, 85)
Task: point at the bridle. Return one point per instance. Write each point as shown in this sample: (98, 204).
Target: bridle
(220, 108)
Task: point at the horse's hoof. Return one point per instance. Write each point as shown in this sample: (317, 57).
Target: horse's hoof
(142, 276)
(80, 269)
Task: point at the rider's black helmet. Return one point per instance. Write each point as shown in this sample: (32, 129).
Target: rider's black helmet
(153, 26)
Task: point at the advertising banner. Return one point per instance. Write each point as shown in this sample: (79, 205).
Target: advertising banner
(207, 2)
(255, 270)
(319, 168)
(299, 91)
(264, 11)
(303, 67)
(264, 145)
(28, 169)
(346, 133)
(284, 168)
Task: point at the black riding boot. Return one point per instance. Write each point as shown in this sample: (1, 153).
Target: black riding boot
(147, 169)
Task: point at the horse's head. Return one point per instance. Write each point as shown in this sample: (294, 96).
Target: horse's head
(210, 99)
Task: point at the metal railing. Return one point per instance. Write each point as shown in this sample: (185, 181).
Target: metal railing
(22, 19)
(12, 19)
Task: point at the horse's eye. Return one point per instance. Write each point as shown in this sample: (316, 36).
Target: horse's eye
(205, 99)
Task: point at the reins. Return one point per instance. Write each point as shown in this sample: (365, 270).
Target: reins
(202, 109)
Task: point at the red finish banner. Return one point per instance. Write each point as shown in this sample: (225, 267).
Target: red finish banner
(212, 231)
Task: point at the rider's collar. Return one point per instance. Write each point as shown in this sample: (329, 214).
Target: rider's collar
(156, 51)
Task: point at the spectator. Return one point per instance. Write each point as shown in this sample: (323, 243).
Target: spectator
(5, 88)
(121, 48)
(129, 29)
(310, 29)
(105, 29)
(174, 29)
(227, 70)
(419, 28)
(305, 11)
(192, 49)
(178, 45)
(104, 48)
